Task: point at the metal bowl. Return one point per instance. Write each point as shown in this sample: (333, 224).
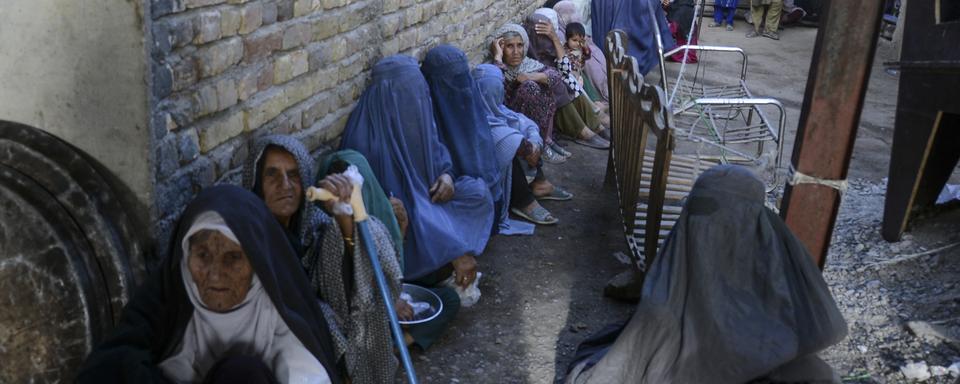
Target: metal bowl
(419, 293)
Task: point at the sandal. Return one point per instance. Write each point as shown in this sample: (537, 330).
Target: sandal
(539, 215)
(558, 149)
(594, 142)
(752, 33)
(558, 194)
(552, 157)
(604, 133)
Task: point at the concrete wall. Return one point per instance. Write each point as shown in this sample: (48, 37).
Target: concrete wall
(77, 69)
(225, 71)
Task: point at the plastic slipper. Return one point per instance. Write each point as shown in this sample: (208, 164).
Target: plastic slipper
(558, 149)
(594, 142)
(540, 215)
(558, 194)
(552, 157)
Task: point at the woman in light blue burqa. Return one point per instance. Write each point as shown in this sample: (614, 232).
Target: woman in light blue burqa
(476, 147)
(450, 214)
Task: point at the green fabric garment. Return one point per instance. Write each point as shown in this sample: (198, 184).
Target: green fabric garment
(588, 87)
(571, 118)
(374, 198)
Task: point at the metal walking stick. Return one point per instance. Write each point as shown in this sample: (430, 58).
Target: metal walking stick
(360, 217)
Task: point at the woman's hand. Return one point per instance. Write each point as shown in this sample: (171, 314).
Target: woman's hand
(340, 186)
(442, 190)
(401, 213)
(533, 158)
(404, 310)
(465, 270)
(496, 50)
(538, 77)
(546, 28)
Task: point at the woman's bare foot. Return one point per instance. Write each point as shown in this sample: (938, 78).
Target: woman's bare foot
(541, 188)
(586, 134)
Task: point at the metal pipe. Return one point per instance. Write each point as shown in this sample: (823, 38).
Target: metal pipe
(715, 48)
(656, 35)
(368, 245)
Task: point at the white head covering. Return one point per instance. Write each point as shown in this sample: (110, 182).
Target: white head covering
(568, 12)
(252, 328)
(527, 65)
(555, 20)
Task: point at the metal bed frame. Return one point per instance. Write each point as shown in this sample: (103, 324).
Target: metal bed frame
(722, 116)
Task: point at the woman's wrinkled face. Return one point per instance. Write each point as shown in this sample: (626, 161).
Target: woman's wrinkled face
(513, 51)
(220, 269)
(281, 184)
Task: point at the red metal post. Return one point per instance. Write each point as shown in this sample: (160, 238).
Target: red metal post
(836, 85)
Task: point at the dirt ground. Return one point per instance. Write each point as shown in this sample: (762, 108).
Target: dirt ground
(542, 294)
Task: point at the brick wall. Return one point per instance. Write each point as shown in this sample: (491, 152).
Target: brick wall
(224, 71)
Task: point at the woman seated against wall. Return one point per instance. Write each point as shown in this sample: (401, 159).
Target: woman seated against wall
(279, 170)
(230, 303)
(517, 131)
(576, 118)
(529, 86)
(450, 215)
(464, 126)
(594, 67)
(460, 121)
(395, 218)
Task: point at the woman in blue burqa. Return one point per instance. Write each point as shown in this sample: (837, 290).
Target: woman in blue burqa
(230, 303)
(514, 131)
(450, 214)
(483, 147)
(732, 297)
(639, 19)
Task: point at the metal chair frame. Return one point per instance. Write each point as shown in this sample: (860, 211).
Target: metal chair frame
(722, 116)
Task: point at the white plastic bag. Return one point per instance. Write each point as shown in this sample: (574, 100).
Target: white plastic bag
(469, 295)
(343, 207)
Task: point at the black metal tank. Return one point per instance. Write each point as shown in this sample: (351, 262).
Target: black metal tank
(70, 255)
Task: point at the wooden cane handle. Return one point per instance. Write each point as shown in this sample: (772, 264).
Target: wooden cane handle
(356, 200)
(319, 194)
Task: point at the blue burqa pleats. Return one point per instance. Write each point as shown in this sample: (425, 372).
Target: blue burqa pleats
(393, 127)
(461, 119)
(508, 129)
(634, 18)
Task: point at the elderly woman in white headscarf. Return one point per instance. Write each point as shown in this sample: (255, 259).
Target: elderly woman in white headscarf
(229, 304)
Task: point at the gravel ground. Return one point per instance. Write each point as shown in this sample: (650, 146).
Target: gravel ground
(879, 299)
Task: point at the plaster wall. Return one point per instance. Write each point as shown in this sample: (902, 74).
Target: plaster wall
(76, 69)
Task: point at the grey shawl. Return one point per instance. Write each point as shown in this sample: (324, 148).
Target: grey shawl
(358, 320)
(528, 65)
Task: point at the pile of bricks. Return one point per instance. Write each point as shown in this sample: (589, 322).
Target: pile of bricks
(224, 71)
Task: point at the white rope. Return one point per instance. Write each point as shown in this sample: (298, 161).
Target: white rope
(795, 177)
